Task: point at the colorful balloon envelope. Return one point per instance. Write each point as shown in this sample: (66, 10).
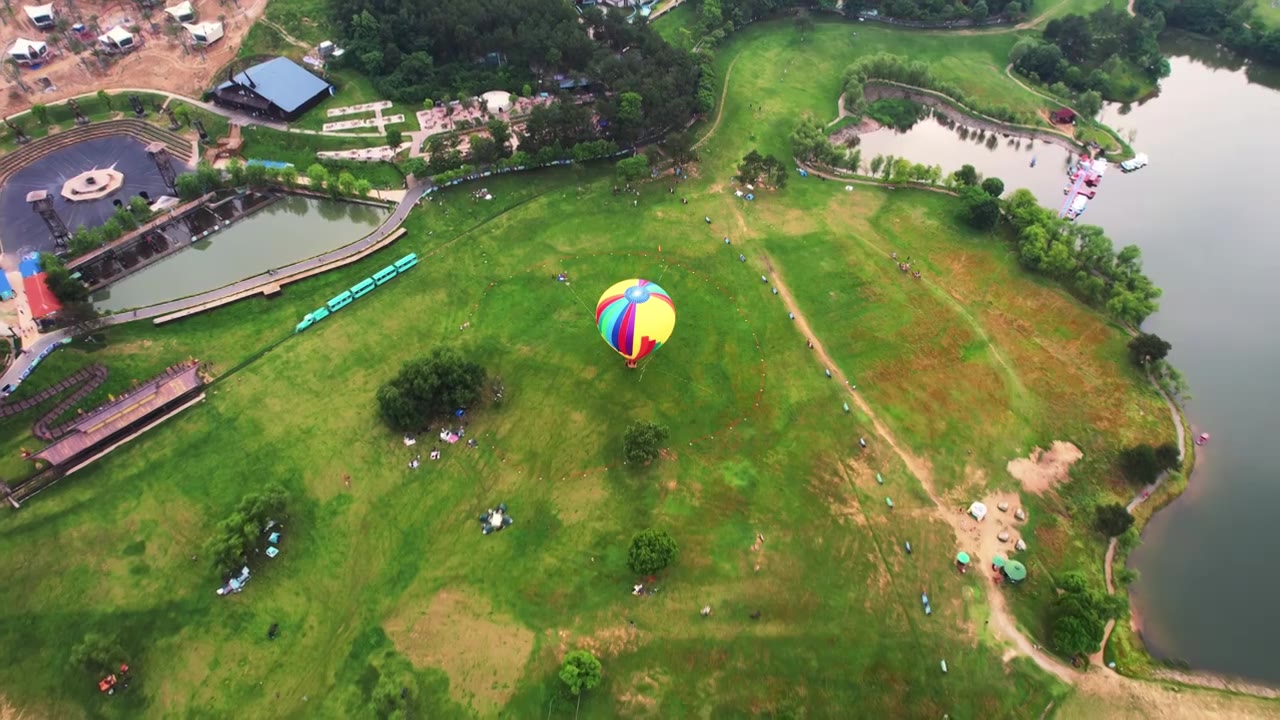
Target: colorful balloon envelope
(635, 317)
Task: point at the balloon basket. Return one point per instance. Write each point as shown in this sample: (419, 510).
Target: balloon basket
(631, 364)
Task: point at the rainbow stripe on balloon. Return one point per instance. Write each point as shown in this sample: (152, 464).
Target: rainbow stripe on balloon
(635, 317)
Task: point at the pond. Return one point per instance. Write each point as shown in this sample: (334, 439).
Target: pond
(1201, 212)
(291, 229)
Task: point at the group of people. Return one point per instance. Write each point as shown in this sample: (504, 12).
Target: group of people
(905, 266)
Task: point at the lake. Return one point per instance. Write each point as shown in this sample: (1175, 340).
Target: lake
(1201, 214)
(291, 229)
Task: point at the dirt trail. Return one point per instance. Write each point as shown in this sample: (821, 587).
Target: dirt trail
(1003, 619)
(724, 93)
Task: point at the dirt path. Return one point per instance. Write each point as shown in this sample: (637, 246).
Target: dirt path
(1130, 8)
(1008, 70)
(285, 34)
(1004, 623)
(724, 92)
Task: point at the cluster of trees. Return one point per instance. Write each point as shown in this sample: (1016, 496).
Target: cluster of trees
(1080, 614)
(892, 169)
(1142, 464)
(241, 531)
(894, 68)
(413, 51)
(1082, 257)
(1108, 52)
(428, 388)
(766, 169)
(320, 178)
(941, 11)
(1232, 22)
(125, 219)
(897, 113)
(981, 201)
(810, 143)
(58, 279)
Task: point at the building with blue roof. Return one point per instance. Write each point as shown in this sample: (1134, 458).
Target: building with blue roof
(279, 89)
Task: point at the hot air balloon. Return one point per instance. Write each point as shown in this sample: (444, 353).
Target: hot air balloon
(635, 317)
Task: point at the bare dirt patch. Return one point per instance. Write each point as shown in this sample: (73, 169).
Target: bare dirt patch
(483, 653)
(1045, 468)
(159, 63)
(982, 539)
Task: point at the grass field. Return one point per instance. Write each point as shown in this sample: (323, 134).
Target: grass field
(383, 571)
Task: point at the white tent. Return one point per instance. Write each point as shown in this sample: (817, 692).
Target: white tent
(978, 510)
(41, 15)
(27, 51)
(205, 33)
(117, 38)
(183, 12)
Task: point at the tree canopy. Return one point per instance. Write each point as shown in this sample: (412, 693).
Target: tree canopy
(766, 169)
(1101, 51)
(1079, 615)
(580, 671)
(241, 531)
(1148, 348)
(429, 387)
(1112, 519)
(642, 442)
(651, 551)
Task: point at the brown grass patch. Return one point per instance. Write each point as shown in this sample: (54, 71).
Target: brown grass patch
(1045, 468)
(643, 693)
(483, 653)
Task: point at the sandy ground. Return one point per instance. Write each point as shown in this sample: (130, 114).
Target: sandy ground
(1045, 468)
(158, 63)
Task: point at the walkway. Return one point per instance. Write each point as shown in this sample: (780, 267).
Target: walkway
(243, 288)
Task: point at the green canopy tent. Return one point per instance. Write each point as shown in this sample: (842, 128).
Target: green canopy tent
(998, 562)
(962, 558)
(1015, 571)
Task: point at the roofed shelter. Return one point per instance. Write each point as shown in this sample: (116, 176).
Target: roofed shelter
(278, 88)
(204, 33)
(1063, 116)
(1014, 571)
(42, 16)
(118, 39)
(183, 12)
(25, 51)
(125, 416)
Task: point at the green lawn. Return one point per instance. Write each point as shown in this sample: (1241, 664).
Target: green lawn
(300, 149)
(61, 117)
(354, 89)
(1266, 12)
(383, 571)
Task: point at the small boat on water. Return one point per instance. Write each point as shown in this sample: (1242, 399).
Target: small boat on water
(1137, 162)
(1033, 161)
(1202, 439)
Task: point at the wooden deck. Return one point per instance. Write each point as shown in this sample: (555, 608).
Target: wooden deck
(107, 421)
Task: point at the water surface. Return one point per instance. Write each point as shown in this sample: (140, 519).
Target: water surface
(290, 229)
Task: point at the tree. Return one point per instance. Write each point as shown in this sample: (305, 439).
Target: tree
(979, 10)
(289, 175)
(651, 551)
(877, 162)
(255, 174)
(346, 183)
(394, 138)
(967, 175)
(1168, 457)
(318, 176)
(1089, 103)
(235, 169)
(500, 131)
(642, 442)
(980, 209)
(1112, 519)
(580, 671)
(139, 207)
(633, 168)
(680, 146)
(188, 186)
(429, 387)
(993, 186)
(105, 98)
(40, 112)
(1079, 615)
(756, 168)
(241, 531)
(1140, 465)
(363, 187)
(387, 697)
(1148, 348)
(526, 91)
(99, 653)
(483, 149)
(56, 276)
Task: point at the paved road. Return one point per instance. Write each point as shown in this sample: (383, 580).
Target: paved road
(393, 221)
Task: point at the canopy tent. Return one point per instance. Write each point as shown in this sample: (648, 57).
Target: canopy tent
(204, 33)
(499, 101)
(117, 38)
(1015, 571)
(183, 12)
(978, 510)
(998, 561)
(962, 558)
(41, 15)
(27, 51)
